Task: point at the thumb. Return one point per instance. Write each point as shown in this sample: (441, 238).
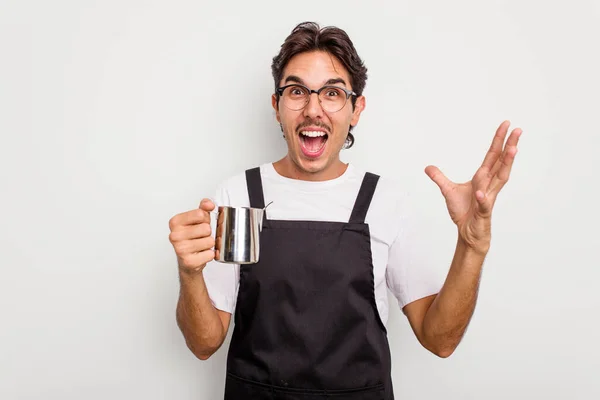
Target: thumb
(207, 205)
(438, 177)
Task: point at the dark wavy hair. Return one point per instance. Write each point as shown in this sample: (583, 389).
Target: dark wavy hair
(309, 36)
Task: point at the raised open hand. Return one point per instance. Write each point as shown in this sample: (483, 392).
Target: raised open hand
(470, 204)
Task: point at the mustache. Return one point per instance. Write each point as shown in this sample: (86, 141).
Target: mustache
(318, 124)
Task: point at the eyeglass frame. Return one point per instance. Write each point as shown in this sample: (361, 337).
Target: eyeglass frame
(349, 93)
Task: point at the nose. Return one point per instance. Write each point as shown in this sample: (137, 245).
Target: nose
(313, 109)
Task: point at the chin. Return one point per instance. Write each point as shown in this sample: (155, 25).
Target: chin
(312, 165)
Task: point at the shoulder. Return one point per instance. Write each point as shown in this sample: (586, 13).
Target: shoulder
(239, 178)
(391, 194)
(390, 209)
(233, 190)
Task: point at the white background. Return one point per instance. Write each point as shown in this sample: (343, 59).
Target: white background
(116, 115)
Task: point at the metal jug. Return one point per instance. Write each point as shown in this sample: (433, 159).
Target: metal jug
(237, 237)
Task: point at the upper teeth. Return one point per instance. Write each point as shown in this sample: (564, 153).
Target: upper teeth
(313, 133)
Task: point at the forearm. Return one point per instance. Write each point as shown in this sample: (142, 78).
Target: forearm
(197, 318)
(446, 320)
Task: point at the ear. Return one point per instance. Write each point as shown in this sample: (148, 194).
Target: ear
(275, 107)
(359, 106)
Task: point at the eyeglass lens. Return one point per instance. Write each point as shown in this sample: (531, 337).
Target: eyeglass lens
(296, 97)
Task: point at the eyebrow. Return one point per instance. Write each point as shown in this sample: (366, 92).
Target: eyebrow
(332, 81)
(335, 80)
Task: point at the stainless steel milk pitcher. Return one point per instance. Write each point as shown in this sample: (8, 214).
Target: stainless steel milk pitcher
(237, 237)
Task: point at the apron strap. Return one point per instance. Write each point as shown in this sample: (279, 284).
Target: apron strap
(363, 200)
(255, 189)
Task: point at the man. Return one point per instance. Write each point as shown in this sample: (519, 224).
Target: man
(310, 316)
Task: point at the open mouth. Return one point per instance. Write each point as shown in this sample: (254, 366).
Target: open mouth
(313, 142)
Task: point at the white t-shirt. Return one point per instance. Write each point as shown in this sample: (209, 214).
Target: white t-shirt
(396, 265)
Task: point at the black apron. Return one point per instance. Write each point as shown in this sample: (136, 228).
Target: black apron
(306, 321)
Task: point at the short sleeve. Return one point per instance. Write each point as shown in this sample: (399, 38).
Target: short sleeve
(410, 273)
(222, 280)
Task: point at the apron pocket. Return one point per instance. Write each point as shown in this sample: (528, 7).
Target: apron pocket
(240, 388)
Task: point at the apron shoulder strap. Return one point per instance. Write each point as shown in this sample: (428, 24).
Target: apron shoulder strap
(363, 200)
(255, 189)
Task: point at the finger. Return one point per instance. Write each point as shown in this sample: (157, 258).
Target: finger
(207, 205)
(191, 232)
(495, 149)
(513, 140)
(485, 203)
(501, 178)
(514, 137)
(496, 167)
(193, 246)
(195, 261)
(192, 217)
(439, 178)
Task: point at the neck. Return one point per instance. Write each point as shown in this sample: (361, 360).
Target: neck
(288, 168)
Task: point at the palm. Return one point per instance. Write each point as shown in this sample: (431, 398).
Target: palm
(460, 201)
(470, 204)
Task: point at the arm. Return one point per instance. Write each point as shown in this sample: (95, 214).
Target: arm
(203, 326)
(440, 321)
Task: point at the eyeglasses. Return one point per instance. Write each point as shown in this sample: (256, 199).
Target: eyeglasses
(332, 98)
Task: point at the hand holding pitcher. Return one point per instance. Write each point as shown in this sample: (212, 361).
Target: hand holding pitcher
(237, 238)
(191, 237)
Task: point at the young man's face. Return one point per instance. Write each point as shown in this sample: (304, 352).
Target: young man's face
(314, 134)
